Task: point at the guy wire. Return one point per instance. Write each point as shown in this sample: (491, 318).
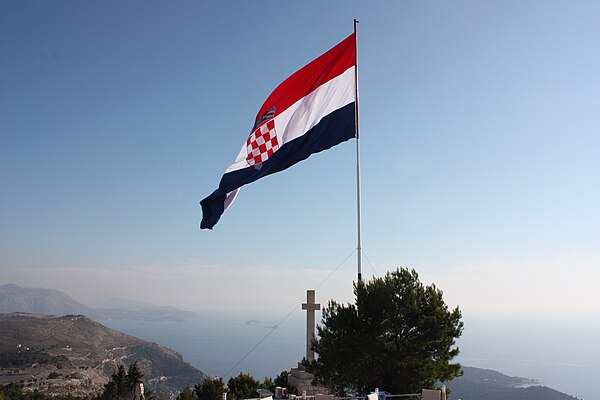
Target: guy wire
(287, 315)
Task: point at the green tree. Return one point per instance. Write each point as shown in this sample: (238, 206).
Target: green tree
(134, 376)
(399, 336)
(150, 394)
(120, 379)
(210, 389)
(268, 384)
(14, 391)
(186, 394)
(122, 384)
(109, 392)
(281, 380)
(243, 386)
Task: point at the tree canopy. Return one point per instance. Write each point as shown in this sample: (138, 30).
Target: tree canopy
(281, 380)
(14, 391)
(399, 336)
(210, 389)
(134, 375)
(122, 384)
(243, 386)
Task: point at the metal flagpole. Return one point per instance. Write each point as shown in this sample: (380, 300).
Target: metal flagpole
(358, 205)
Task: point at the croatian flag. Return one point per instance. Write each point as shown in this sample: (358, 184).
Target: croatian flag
(311, 111)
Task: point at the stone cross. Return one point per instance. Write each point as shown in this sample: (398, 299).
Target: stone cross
(310, 306)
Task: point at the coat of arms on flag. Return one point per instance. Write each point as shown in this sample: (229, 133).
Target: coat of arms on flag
(262, 142)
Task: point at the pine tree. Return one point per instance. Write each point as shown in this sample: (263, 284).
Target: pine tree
(186, 394)
(399, 336)
(134, 376)
(210, 389)
(243, 386)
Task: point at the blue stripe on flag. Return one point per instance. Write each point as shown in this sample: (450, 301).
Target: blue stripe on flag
(333, 129)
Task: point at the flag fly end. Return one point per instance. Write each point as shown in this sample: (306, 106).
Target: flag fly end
(281, 136)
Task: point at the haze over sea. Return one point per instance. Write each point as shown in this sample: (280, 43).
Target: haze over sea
(526, 347)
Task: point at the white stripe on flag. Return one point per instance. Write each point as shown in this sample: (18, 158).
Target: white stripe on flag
(304, 114)
(229, 198)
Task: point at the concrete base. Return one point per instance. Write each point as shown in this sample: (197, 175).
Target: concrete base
(303, 380)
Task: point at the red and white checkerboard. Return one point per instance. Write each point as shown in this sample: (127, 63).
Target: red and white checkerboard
(261, 144)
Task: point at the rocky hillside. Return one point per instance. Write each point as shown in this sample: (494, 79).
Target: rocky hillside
(14, 298)
(73, 354)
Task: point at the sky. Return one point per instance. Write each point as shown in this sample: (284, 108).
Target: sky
(479, 149)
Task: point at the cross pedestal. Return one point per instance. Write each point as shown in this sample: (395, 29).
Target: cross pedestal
(299, 377)
(310, 306)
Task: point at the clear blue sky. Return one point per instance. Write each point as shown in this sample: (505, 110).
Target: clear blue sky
(480, 131)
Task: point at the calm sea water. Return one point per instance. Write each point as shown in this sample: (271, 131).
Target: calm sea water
(562, 354)
(216, 343)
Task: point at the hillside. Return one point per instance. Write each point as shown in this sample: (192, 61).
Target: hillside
(73, 354)
(477, 383)
(14, 298)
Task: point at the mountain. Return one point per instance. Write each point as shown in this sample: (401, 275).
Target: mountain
(477, 383)
(14, 298)
(75, 355)
(117, 308)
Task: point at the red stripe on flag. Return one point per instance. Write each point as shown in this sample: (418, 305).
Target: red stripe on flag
(323, 69)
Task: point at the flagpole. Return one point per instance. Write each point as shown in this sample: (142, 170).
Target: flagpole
(358, 202)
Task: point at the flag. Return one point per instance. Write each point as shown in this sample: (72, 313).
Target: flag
(311, 111)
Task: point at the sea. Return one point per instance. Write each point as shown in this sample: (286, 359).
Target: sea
(561, 353)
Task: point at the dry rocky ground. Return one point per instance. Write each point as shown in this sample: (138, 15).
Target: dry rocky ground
(75, 355)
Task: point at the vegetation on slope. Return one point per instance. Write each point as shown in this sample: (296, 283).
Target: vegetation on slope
(73, 354)
(486, 384)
